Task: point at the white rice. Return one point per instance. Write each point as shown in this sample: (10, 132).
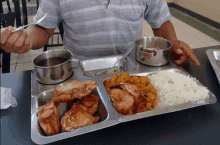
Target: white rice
(175, 88)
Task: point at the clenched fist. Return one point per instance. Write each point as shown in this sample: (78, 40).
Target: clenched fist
(18, 42)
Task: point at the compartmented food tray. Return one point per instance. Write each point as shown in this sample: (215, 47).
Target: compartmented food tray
(109, 116)
(214, 58)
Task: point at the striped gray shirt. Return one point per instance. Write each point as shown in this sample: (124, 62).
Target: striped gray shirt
(96, 28)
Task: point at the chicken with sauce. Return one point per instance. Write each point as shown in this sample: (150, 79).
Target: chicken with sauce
(48, 117)
(80, 114)
(123, 88)
(77, 117)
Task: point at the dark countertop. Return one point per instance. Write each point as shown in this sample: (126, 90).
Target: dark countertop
(200, 125)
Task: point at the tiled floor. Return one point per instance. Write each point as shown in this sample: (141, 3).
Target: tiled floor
(186, 33)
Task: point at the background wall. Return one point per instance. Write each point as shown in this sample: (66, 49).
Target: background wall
(207, 8)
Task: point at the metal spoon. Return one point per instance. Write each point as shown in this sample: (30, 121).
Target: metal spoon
(22, 27)
(124, 57)
(117, 65)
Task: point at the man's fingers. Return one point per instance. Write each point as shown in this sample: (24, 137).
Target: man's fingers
(25, 49)
(179, 51)
(28, 40)
(19, 43)
(27, 45)
(176, 47)
(6, 34)
(182, 59)
(11, 40)
(192, 57)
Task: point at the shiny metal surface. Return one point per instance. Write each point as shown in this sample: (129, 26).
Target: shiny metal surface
(41, 94)
(119, 65)
(214, 58)
(22, 27)
(106, 65)
(57, 73)
(152, 57)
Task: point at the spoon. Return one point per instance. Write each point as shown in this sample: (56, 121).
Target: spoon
(22, 27)
(117, 65)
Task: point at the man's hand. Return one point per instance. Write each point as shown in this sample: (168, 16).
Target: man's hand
(18, 42)
(182, 54)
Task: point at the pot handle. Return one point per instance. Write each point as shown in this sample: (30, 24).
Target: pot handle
(74, 63)
(149, 53)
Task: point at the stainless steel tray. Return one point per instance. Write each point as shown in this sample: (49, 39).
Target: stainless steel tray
(42, 94)
(214, 58)
(91, 66)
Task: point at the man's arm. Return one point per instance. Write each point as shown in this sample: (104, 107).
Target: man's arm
(181, 53)
(39, 36)
(166, 31)
(22, 41)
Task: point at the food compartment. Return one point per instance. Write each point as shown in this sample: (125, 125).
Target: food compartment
(161, 107)
(92, 67)
(46, 96)
(131, 94)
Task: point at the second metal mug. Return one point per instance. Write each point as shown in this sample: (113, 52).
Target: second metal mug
(152, 57)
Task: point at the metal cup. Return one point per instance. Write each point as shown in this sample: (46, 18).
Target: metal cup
(57, 73)
(152, 57)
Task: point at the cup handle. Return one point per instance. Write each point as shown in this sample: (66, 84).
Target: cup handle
(149, 54)
(73, 62)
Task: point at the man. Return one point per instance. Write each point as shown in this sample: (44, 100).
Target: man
(99, 27)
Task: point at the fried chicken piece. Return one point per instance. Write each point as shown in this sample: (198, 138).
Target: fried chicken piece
(91, 102)
(132, 89)
(48, 117)
(122, 101)
(135, 92)
(77, 117)
(74, 90)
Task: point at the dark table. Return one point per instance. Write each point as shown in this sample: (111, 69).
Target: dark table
(195, 126)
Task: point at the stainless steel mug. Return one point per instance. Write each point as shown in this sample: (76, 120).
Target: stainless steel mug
(152, 57)
(54, 66)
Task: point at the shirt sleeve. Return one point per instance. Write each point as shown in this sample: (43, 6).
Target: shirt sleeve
(157, 13)
(53, 18)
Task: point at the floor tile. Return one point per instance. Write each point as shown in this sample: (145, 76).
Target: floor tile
(28, 57)
(24, 67)
(146, 31)
(60, 40)
(30, 19)
(203, 37)
(197, 24)
(189, 39)
(57, 30)
(57, 47)
(198, 45)
(213, 43)
(189, 29)
(14, 58)
(180, 31)
(12, 67)
(149, 34)
(55, 39)
(145, 23)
